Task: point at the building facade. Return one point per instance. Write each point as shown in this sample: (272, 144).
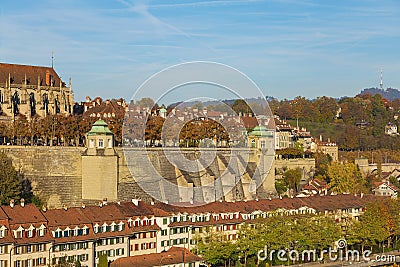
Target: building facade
(39, 237)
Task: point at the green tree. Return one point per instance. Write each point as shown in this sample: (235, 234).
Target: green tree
(214, 247)
(103, 260)
(292, 178)
(10, 186)
(345, 178)
(373, 226)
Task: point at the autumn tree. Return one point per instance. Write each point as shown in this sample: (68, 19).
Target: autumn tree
(153, 129)
(327, 108)
(240, 106)
(345, 178)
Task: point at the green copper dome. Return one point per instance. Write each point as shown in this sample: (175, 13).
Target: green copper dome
(100, 127)
(260, 131)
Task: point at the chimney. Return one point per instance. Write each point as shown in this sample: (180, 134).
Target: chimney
(104, 201)
(320, 137)
(12, 202)
(191, 201)
(100, 204)
(329, 140)
(362, 195)
(44, 208)
(48, 77)
(65, 207)
(118, 202)
(83, 205)
(22, 202)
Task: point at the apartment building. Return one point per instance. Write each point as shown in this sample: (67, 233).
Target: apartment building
(33, 237)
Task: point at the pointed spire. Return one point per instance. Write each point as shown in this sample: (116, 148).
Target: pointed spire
(381, 81)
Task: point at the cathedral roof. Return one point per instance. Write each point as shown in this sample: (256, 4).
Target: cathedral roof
(17, 74)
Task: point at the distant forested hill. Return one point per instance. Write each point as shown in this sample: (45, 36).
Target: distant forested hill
(389, 93)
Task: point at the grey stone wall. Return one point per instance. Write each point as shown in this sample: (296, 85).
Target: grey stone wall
(56, 175)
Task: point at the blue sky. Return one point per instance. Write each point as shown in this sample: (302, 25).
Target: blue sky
(288, 47)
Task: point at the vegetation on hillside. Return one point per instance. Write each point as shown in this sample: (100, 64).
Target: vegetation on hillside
(354, 123)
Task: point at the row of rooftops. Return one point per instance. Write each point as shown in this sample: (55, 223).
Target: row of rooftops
(138, 216)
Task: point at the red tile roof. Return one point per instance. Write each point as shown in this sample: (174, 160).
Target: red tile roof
(29, 214)
(18, 72)
(174, 255)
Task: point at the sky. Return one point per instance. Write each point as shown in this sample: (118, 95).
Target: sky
(287, 47)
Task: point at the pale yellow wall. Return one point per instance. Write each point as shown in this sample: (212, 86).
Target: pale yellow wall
(99, 177)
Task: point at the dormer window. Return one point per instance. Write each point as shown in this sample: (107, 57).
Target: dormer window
(41, 230)
(85, 230)
(66, 233)
(3, 231)
(30, 233)
(18, 232)
(120, 226)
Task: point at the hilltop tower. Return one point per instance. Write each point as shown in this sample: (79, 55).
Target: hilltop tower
(381, 81)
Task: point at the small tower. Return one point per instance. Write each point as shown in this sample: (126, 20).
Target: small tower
(163, 112)
(99, 164)
(100, 140)
(260, 138)
(381, 81)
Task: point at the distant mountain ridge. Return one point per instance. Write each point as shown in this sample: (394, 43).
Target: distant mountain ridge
(390, 93)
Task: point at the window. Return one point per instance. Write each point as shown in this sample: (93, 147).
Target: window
(18, 234)
(109, 142)
(28, 248)
(165, 220)
(101, 143)
(40, 247)
(40, 232)
(164, 232)
(3, 250)
(91, 143)
(262, 143)
(30, 233)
